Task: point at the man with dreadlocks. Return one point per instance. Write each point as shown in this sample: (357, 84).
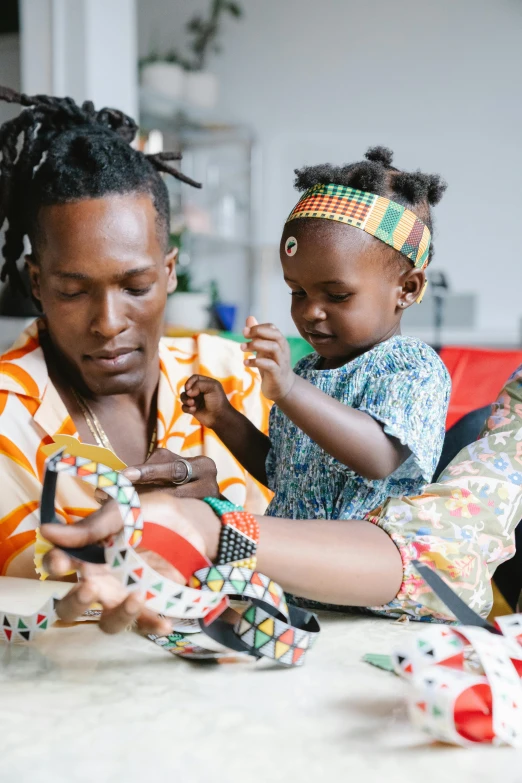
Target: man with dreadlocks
(94, 366)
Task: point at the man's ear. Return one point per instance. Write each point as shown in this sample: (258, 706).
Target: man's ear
(170, 268)
(33, 267)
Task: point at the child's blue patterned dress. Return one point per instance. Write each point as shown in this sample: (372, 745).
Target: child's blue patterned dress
(401, 383)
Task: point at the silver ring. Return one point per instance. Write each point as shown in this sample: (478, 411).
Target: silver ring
(188, 477)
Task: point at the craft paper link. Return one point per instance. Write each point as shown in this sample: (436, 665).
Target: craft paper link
(465, 682)
(267, 628)
(25, 627)
(255, 634)
(162, 595)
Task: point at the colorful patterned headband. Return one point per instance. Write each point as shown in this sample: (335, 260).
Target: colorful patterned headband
(378, 216)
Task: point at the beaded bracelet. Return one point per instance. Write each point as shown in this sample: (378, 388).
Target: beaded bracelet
(239, 534)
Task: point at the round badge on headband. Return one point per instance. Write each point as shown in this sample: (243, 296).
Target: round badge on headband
(291, 246)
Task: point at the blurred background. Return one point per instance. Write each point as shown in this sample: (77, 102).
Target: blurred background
(251, 89)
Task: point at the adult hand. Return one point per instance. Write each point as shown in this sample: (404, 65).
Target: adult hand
(164, 468)
(98, 585)
(205, 399)
(272, 358)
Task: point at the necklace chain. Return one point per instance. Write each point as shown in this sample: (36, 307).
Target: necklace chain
(97, 430)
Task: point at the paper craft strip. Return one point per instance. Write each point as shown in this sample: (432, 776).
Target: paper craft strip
(114, 484)
(465, 681)
(183, 646)
(286, 643)
(276, 631)
(162, 595)
(465, 685)
(242, 582)
(461, 610)
(24, 628)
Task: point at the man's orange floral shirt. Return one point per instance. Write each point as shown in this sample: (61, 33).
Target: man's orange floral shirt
(32, 413)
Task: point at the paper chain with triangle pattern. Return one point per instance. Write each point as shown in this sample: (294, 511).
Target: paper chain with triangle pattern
(214, 583)
(162, 595)
(273, 638)
(239, 580)
(115, 484)
(24, 628)
(466, 683)
(183, 646)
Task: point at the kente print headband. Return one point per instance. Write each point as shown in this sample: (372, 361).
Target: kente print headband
(378, 216)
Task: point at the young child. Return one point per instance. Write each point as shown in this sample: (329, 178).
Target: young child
(361, 419)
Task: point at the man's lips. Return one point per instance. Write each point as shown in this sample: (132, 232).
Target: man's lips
(118, 358)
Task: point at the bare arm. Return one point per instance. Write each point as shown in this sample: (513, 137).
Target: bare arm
(205, 399)
(345, 562)
(248, 444)
(351, 436)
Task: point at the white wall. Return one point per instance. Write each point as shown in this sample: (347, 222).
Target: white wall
(82, 48)
(438, 82)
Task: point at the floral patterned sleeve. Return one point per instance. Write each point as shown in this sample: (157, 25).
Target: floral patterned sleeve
(463, 526)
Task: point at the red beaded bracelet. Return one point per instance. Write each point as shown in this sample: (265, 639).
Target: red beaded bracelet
(239, 534)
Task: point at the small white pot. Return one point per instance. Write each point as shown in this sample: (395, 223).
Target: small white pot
(167, 79)
(188, 311)
(201, 89)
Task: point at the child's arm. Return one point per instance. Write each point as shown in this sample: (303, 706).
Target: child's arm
(351, 436)
(205, 399)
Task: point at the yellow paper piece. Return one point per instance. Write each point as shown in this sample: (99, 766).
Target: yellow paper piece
(77, 449)
(41, 547)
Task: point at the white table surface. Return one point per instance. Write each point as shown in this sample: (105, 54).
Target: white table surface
(80, 707)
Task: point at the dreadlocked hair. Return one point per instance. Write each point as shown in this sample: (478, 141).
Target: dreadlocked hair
(416, 191)
(55, 152)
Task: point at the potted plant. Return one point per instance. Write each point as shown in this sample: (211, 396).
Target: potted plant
(163, 75)
(175, 77)
(201, 86)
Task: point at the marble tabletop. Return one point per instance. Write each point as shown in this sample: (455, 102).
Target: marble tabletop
(81, 707)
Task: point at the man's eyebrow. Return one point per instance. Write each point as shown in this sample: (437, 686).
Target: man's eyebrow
(139, 270)
(71, 275)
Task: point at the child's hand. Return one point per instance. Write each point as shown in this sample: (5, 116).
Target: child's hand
(272, 358)
(205, 399)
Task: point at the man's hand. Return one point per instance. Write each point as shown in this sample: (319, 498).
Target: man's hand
(163, 468)
(193, 520)
(272, 358)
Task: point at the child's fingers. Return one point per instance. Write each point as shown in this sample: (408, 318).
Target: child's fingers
(194, 391)
(250, 322)
(262, 347)
(191, 381)
(267, 365)
(186, 400)
(266, 332)
(206, 385)
(195, 381)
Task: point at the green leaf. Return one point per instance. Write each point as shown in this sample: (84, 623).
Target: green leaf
(235, 9)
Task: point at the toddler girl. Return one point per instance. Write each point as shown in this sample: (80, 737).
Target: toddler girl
(362, 418)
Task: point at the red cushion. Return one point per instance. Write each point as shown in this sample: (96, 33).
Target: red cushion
(477, 376)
